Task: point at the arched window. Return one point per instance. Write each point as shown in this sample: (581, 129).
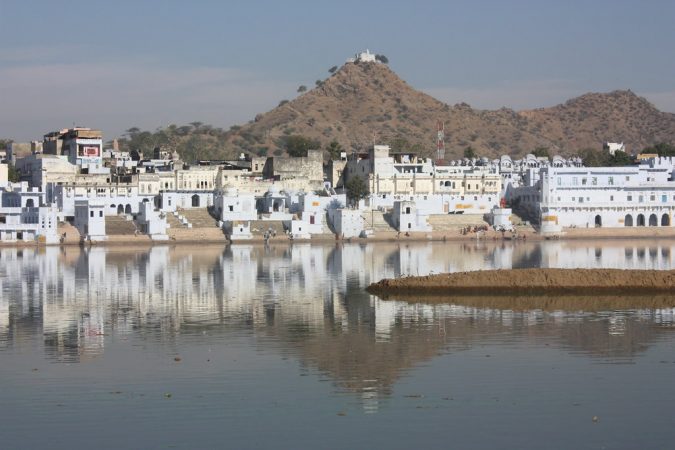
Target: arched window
(628, 220)
(665, 220)
(598, 221)
(640, 220)
(653, 221)
(195, 201)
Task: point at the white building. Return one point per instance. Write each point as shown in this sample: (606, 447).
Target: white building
(90, 219)
(152, 222)
(587, 197)
(407, 217)
(613, 147)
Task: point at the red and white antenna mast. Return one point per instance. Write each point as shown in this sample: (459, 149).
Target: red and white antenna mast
(440, 142)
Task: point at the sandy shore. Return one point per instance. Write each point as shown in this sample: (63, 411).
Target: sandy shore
(532, 282)
(216, 236)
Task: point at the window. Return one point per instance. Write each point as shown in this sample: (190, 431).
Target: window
(629, 198)
(652, 198)
(664, 198)
(641, 199)
(559, 181)
(610, 181)
(100, 213)
(583, 181)
(594, 181)
(91, 213)
(611, 198)
(575, 181)
(581, 199)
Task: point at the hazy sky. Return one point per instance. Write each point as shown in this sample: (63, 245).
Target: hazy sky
(117, 64)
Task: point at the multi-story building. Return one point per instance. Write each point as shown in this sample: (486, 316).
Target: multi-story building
(585, 197)
(436, 189)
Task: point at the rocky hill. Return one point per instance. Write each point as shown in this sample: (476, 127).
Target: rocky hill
(367, 102)
(362, 103)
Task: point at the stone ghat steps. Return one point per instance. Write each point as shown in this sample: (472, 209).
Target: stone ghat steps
(173, 222)
(376, 221)
(118, 225)
(451, 222)
(199, 218)
(258, 227)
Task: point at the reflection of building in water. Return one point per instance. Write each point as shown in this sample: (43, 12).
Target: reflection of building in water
(630, 254)
(309, 300)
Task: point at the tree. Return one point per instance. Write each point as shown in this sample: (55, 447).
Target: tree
(356, 188)
(334, 149)
(661, 149)
(620, 159)
(541, 152)
(333, 69)
(469, 152)
(381, 58)
(593, 158)
(318, 83)
(302, 88)
(297, 145)
(12, 174)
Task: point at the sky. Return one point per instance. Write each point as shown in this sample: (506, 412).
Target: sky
(113, 65)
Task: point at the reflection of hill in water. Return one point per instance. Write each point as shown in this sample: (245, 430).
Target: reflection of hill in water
(310, 301)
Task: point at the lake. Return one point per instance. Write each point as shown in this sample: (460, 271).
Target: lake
(250, 346)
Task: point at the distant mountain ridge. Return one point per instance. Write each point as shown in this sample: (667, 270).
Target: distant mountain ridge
(365, 103)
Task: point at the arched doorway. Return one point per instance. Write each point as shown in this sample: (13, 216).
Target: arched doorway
(127, 209)
(653, 221)
(276, 205)
(640, 220)
(195, 201)
(30, 203)
(628, 220)
(665, 220)
(598, 221)
(120, 209)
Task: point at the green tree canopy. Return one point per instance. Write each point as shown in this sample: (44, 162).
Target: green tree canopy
(469, 152)
(356, 188)
(381, 58)
(297, 145)
(541, 152)
(302, 88)
(334, 149)
(593, 158)
(333, 69)
(662, 149)
(597, 158)
(12, 174)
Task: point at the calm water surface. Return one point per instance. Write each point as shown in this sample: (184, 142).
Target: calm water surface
(281, 347)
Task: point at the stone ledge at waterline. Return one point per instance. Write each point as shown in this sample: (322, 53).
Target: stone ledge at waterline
(532, 282)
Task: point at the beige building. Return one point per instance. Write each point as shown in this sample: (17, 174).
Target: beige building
(405, 174)
(198, 178)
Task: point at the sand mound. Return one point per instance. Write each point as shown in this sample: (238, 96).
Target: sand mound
(532, 281)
